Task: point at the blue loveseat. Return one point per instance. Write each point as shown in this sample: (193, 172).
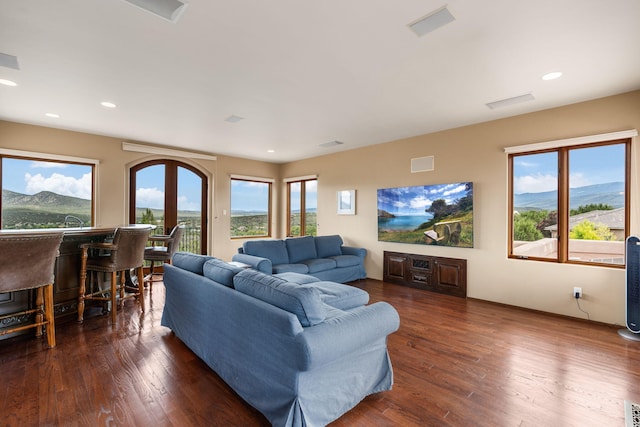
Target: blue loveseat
(302, 353)
(323, 257)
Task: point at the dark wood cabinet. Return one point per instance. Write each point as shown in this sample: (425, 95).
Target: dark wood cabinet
(437, 274)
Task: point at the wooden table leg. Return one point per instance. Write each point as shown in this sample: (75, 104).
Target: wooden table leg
(83, 282)
(141, 287)
(49, 315)
(39, 311)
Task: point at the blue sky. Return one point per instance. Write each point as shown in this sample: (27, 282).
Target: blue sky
(532, 173)
(254, 196)
(150, 189)
(31, 177)
(311, 198)
(249, 196)
(414, 200)
(537, 173)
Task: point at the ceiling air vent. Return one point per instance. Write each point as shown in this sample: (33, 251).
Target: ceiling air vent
(170, 10)
(432, 21)
(9, 61)
(233, 119)
(331, 144)
(510, 101)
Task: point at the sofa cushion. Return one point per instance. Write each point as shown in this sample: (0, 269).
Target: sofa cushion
(319, 264)
(341, 296)
(346, 260)
(302, 300)
(275, 250)
(190, 262)
(332, 312)
(301, 248)
(220, 271)
(300, 279)
(290, 268)
(327, 246)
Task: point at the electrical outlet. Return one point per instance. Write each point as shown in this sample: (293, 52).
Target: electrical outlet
(577, 292)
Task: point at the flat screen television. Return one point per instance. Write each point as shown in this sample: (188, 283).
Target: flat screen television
(434, 214)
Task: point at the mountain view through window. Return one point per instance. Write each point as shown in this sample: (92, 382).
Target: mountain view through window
(46, 194)
(570, 204)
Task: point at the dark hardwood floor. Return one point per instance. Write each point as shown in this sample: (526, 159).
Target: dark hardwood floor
(456, 362)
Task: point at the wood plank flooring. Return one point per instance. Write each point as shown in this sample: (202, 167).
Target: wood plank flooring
(456, 362)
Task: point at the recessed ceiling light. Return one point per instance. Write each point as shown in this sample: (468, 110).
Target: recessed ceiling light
(52, 115)
(552, 76)
(108, 104)
(271, 151)
(7, 82)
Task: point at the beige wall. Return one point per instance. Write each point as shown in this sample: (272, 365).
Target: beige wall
(473, 153)
(112, 177)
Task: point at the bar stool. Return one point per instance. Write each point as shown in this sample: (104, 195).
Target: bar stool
(125, 253)
(28, 262)
(162, 253)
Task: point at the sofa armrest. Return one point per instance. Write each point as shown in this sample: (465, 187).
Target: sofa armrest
(349, 250)
(339, 336)
(258, 263)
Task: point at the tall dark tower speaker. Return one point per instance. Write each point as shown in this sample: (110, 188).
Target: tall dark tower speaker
(632, 300)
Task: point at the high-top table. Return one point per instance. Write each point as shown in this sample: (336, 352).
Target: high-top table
(67, 271)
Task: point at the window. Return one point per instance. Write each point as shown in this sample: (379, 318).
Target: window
(41, 192)
(250, 207)
(571, 203)
(166, 193)
(302, 204)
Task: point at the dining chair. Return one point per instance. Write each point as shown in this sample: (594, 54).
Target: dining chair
(164, 246)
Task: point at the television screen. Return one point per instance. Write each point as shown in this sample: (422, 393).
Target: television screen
(439, 214)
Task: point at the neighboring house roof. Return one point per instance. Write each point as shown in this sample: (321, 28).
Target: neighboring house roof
(613, 218)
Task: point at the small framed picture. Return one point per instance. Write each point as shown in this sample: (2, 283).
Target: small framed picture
(346, 202)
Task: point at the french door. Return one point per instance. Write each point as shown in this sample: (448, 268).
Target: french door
(166, 193)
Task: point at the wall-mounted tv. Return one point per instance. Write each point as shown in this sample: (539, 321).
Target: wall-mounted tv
(439, 214)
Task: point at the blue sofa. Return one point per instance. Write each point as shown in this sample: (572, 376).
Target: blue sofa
(302, 353)
(323, 257)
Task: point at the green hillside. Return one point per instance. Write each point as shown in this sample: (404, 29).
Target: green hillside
(49, 210)
(42, 210)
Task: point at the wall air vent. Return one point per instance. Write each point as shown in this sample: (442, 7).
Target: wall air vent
(170, 10)
(9, 61)
(331, 144)
(432, 21)
(510, 101)
(422, 164)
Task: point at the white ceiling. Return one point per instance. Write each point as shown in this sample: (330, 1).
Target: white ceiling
(305, 73)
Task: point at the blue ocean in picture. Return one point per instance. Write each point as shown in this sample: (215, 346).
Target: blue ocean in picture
(403, 222)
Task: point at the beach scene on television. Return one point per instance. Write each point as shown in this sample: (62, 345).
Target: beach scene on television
(439, 214)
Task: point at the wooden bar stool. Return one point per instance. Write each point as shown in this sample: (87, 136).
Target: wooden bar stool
(125, 253)
(169, 244)
(28, 262)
